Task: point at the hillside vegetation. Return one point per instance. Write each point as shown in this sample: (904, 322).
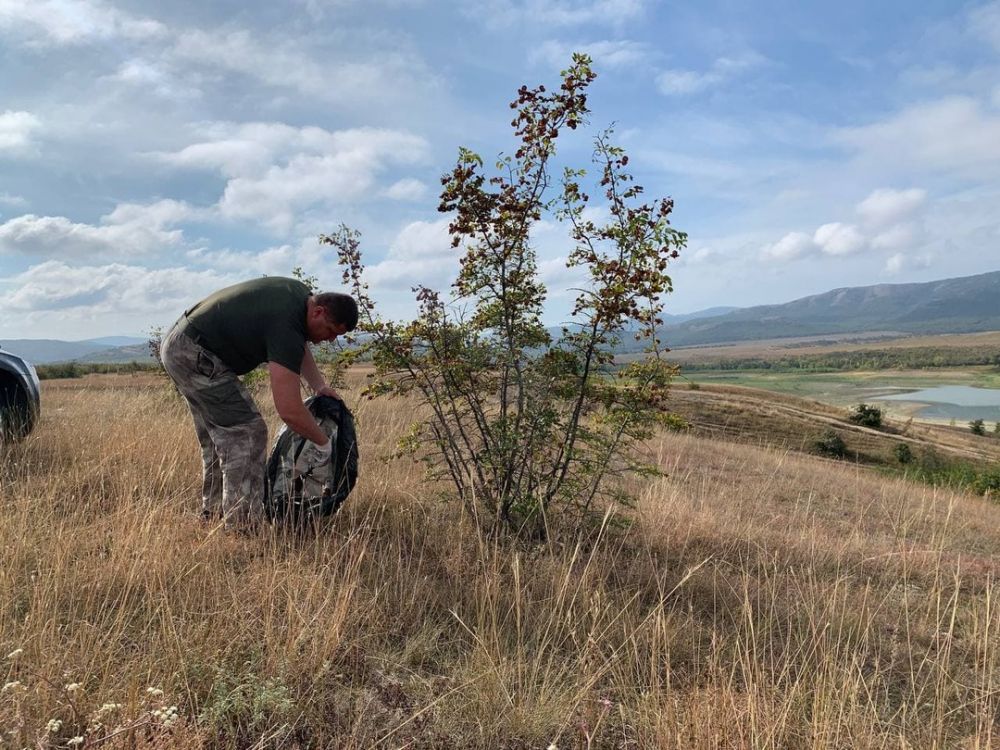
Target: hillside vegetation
(844, 353)
(762, 598)
(957, 305)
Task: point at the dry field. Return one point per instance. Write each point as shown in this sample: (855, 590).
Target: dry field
(814, 345)
(761, 599)
(779, 420)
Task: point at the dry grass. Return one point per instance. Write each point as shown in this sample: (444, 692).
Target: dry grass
(817, 345)
(761, 599)
(780, 420)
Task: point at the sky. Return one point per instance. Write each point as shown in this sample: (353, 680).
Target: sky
(153, 152)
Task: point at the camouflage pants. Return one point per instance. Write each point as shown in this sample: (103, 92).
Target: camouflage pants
(230, 429)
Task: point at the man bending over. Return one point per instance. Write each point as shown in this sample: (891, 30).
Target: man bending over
(229, 334)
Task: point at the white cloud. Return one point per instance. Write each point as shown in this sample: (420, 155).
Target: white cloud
(723, 70)
(893, 218)
(899, 262)
(886, 207)
(685, 81)
(275, 171)
(891, 222)
(839, 239)
(53, 287)
(272, 261)
(606, 54)
(391, 75)
(953, 135)
(146, 75)
(422, 239)
(420, 254)
(16, 130)
(701, 255)
(244, 149)
(554, 12)
(131, 229)
(306, 180)
(897, 237)
(319, 8)
(14, 201)
(73, 21)
(895, 263)
(792, 246)
(407, 189)
(984, 22)
(561, 280)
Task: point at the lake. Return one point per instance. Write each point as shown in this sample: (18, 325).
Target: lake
(958, 402)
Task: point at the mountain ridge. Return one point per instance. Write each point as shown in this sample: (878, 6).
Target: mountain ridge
(964, 304)
(956, 305)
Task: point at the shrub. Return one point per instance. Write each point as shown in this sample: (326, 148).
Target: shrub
(831, 444)
(154, 344)
(987, 483)
(867, 415)
(256, 380)
(524, 426)
(978, 427)
(903, 453)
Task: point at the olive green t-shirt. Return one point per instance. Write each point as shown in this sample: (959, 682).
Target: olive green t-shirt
(263, 320)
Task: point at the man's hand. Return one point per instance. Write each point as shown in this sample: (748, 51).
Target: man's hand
(328, 391)
(313, 456)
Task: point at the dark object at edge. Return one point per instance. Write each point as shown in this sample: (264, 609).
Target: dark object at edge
(20, 397)
(304, 505)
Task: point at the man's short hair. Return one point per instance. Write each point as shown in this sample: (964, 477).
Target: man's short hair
(340, 308)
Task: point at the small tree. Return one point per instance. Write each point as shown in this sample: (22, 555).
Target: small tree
(306, 278)
(154, 344)
(831, 444)
(522, 425)
(903, 453)
(978, 427)
(867, 416)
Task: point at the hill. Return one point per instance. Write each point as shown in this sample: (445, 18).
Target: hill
(959, 305)
(106, 349)
(44, 351)
(120, 354)
(761, 598)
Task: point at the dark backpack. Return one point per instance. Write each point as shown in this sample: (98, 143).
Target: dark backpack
(301, 499)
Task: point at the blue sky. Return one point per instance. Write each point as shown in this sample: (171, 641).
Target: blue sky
(151, 152)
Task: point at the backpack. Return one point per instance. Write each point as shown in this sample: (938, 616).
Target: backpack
(300, 500)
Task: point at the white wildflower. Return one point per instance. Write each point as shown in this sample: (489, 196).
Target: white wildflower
(108, 708)
(72, 687)
(75, 741)
(166, 716)
(15, 653)
(11, 686)
(53, 726)
(154, 692)
(552, 746)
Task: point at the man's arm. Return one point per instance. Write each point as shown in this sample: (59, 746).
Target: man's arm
(285, 389)
(314, 377)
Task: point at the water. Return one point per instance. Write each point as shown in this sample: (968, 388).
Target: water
(958, 402)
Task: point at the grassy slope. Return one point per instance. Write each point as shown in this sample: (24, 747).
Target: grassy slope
(762, 599)
(815, 345)
(785, 419)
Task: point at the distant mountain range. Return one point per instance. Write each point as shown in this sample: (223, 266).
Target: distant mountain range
(961, 305)
(105, 349)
